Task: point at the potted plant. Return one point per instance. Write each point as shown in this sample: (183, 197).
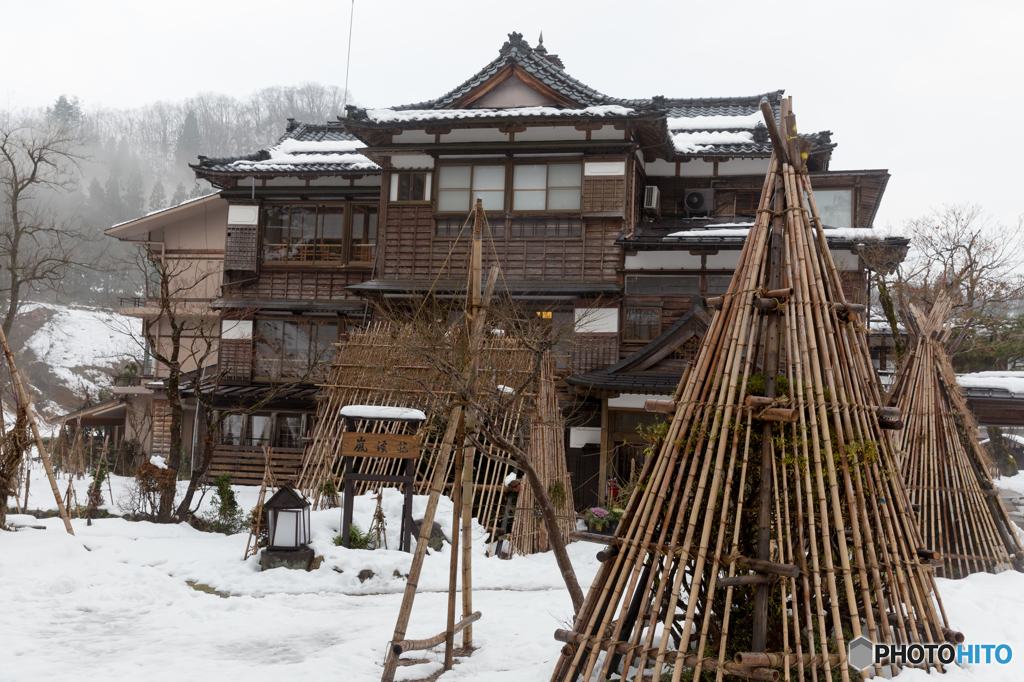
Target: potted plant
(602, 521)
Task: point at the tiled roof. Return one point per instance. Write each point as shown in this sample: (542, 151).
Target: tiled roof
(537, 64)
(625, 382)
(304, 148)
(717, 106)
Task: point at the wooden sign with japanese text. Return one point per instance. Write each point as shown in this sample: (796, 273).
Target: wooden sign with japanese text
(380, 445)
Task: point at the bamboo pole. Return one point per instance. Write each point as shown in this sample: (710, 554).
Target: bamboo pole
(23, 399)
(828, 508)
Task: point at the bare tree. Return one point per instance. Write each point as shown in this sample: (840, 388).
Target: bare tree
(463, 372)
(960, 251)
(38, 241)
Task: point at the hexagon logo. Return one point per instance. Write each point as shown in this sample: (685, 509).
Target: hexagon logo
(861, 653)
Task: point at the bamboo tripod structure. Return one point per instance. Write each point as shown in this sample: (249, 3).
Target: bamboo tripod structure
(24, 401)
(945, 470)
(454, 440)
(547, 453)
(772, 520)
(252, 545)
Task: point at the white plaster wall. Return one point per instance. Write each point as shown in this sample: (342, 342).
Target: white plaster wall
(584, 435)
(634, 400)
(540, 133)
(743, 167)
(663, 260)
(725, 260)
(412, 161)
(593, 320)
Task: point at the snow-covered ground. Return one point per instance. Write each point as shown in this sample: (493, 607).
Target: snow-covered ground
(114, 602)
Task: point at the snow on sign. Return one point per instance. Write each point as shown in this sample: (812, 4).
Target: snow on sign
(380, 445)
(381, 412)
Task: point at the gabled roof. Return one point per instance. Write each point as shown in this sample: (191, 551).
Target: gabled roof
(536, 64)
(304, 148)
(161, 217)
(631, 375)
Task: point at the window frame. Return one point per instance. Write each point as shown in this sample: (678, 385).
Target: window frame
(350, 238)
(547, 188)
(626, 325)
(472, 190)
(281, 358)
(344, 260)
(396, 177)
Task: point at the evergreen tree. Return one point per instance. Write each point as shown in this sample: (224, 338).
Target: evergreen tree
(189, 142)
(197, 191)
(134, 194)
(65, 110)
(158, 197)
(179, 194)
(112, 195)
(96, 205)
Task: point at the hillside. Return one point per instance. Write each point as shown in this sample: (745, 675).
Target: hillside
(69, 354)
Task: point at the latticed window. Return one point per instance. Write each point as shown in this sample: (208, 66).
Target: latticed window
(688, 351)
(641, 324)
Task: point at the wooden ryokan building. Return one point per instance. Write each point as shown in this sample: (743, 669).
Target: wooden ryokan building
(617, 212)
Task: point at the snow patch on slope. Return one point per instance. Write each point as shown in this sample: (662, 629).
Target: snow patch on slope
(82, 345)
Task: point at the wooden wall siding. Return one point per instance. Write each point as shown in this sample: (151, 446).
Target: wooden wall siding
(408, 242)
(604, 195)
(241, 248)
(725, 203)
(594, 350)
(245, 464)
(854, 286)
(161, 428)
(236, 357)
(289, 284)
(413, 253)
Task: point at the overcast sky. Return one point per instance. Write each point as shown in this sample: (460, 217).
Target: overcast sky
(930, 90)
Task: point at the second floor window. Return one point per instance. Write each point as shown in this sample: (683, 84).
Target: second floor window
(364, 234)
(301, 232)
(641, 324)
(458, 188)
(547, 187)
(286, 348)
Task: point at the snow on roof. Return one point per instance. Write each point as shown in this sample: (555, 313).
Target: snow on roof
(279, 158)
(393, 116)
(1015, 438)
(741, 230)
(161, 210)
(293, 146)
(1011, 381)
(689, 143)
(719, 122)
(381, 412)
(715, 232)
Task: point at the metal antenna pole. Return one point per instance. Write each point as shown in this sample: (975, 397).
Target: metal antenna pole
(348, 58)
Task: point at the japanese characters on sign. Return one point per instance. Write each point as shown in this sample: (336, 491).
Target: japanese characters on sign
(380, 445)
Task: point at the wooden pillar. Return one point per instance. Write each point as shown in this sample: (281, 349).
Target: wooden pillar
(606, 439)
(771, 370)
(467, 545)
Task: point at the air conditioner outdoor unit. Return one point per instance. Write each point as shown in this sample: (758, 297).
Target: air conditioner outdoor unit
(699, 200)
(652, 198)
